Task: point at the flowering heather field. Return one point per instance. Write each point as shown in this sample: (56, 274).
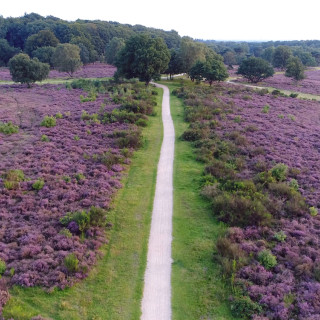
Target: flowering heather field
(74, 166)
(261, 156)
(311, 84)
(93, 70)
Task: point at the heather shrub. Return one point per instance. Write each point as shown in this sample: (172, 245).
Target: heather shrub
(38, 184)
(279, 171)
(48, 121)
(192, 134)
(109, 158)
(8, 128)
(220, 170)
(132, 139)
(244, 306)
(267, 259)
(71, 262)
(3, 267)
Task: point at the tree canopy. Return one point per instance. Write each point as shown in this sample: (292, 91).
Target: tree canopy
(175, 64)
(280, 56)
(295, 69)
(255, 69)
(26, 70)
(113, 48)
(143, 57)
(66, 58)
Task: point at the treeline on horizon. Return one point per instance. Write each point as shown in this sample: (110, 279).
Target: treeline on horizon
(95, 38)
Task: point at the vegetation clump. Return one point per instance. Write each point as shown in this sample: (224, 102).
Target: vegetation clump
(8, 128)
(49, 121)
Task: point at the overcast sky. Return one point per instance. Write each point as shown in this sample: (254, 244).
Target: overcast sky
(202, 19)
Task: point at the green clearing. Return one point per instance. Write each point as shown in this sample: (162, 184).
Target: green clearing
(114, 287)
(198, 292)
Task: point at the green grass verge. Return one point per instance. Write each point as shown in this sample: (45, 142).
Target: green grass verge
(198, 291)
(114, 288)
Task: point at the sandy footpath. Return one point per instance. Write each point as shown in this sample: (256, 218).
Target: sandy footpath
(156, 301)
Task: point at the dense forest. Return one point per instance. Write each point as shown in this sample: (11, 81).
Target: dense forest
(38, 36)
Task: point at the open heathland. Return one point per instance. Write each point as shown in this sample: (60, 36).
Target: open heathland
(92, 70)
(261, 164)
(62, 157)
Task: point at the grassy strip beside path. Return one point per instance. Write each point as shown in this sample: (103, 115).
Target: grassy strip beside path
(197, 289)
(114, 288)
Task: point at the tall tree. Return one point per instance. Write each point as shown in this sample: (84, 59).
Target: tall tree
(295, 69)
(6, 52)
(214, 70)
(281, 56)
(255, 69)
(175, 65)
(44, 38)
(143, 57)
(113, 48)
(66, 58)
(26, 70)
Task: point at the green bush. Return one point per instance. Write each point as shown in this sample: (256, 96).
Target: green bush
(294, 95)
(8, 128)
(58, 115)
(279, 171)
(142, 122)
(45, 138)
(266, 109)
(267, 259)
(48, 121)
(293, 184)
(3, 267)
(280, 236)
(313, 211)
(71, 262)
(65, 232)
(38, 184)
(243, 306)
(97, 216)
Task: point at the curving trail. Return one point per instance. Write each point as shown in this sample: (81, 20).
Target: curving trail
(156, 301)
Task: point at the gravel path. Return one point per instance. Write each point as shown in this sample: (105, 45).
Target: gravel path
(156, 302)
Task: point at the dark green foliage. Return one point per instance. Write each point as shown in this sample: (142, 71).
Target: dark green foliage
(196, 72)
(279, 171)
(255, 69)
(295, 69)
(175, 64)
(8, 128)
(244, 306)
(44, 54)
(71, 262)
(113, 48)
(6, 52)
(143, 57)
(281, 56)
(66, 58)
(44, 38)
(3, 267)
(26, 70)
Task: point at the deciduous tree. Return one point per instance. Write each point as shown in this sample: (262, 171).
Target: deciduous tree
(113, 48)
(66, 58)
(26, 70)
(255, 69)
(295, 69)
(281, 56)
(143, 57)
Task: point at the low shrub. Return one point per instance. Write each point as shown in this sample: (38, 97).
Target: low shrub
(8, 128)
(294, 95)
(38, 184)
(71, 262)
(280, 236)
(267, 259)
(279, 171)
(13, 179)
(48, 121)
(313, 211)
(65, 232)
(142, 122)
(58, 115)
(3, 267)
(266, 109)
(45, 138)
(244, 306)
